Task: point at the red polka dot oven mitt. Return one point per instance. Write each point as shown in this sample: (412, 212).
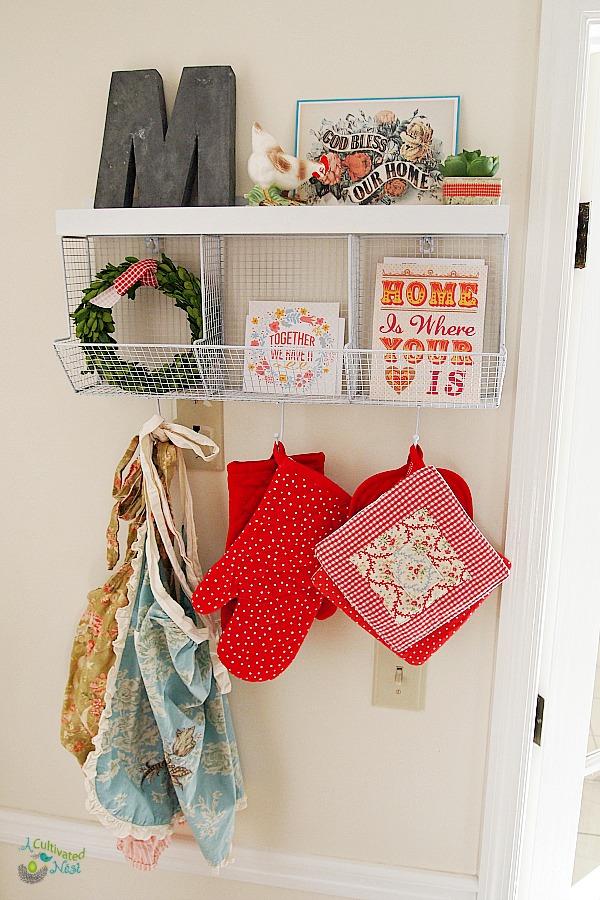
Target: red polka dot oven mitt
(247, 481)
(410, 563)
(269, 567)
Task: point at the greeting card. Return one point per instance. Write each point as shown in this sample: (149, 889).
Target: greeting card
(293, 349)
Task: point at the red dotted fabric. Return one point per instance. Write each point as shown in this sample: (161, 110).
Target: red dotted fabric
(247, 481)
(269, 567)
(369, 491)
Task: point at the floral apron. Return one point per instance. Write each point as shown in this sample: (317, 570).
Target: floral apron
(92, 655)
(165, 745)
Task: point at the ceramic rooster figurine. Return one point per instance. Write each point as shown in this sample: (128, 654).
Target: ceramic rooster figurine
(274, 171)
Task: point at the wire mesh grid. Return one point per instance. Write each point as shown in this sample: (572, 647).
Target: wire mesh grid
(154, 355)
(212, 287)
(151, 317)
(361, 376)
(491, 248)
(153, 369)
(286, 269)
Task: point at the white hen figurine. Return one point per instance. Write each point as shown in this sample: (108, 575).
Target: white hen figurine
(269, 166)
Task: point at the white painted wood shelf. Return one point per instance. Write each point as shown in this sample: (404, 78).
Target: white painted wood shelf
(290, 220)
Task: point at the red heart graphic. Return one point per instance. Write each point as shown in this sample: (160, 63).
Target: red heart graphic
(399, 379)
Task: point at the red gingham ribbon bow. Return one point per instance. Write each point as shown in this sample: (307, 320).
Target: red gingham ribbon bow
(143, 271)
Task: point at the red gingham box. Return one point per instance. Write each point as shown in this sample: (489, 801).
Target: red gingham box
(471, 191)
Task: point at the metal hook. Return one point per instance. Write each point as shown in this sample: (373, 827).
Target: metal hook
(153, 244)
(158, 406)
(279, 434)
(416, 434)
(426, 244)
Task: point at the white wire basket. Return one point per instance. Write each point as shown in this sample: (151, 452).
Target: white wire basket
(154, 354)
(365, 376)
(167, 370)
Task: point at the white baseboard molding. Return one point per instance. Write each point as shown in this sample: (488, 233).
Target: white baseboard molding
(313, 874)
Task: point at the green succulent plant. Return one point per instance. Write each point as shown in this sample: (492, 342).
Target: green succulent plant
(469, 164)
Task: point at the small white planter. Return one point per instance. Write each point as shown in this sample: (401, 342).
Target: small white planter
(471, 191)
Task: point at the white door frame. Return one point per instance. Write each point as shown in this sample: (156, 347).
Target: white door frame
(526, 614)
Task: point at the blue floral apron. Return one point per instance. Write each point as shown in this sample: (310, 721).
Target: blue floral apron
(166, 747)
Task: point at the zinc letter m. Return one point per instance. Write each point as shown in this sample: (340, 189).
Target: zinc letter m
(198, 146)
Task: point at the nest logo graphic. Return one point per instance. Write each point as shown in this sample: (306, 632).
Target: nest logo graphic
(47, 859)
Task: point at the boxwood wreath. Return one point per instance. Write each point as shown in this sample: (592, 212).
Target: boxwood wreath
(95, 325)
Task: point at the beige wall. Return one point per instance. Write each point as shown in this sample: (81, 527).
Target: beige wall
(326, 772)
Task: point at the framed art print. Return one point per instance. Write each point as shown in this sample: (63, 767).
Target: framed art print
(384, 150)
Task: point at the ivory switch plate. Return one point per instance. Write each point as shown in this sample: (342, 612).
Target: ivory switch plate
(205, 416)
(397, 684)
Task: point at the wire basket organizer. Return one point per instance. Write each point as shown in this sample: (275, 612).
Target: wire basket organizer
(225, 377)
(154, 355)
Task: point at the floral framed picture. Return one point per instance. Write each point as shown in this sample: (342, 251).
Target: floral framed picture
(383, 150)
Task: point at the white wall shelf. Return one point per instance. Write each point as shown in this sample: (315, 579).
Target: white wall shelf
(288, 254)
(426, 219)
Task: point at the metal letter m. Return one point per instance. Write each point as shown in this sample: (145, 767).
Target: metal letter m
(197, 147)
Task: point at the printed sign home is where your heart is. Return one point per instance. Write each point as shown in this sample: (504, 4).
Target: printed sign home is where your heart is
(428, 327)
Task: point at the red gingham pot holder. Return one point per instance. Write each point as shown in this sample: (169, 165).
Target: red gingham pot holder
(366, 493)
(411, 561)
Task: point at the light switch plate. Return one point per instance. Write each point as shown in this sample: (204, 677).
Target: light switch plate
(397, 684)
(205, 416)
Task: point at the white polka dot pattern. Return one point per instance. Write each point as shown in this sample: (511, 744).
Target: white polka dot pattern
(269, 569)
